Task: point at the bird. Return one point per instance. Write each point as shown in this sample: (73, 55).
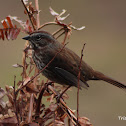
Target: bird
(64, 67)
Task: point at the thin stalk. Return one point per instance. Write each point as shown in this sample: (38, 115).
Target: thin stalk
(28, 14)
(37, 15)
(79, 83)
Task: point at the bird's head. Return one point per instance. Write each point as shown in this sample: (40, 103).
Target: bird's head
(39, 39)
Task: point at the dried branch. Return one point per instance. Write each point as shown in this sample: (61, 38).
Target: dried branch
(48, 23)
(66, 34)
(38, 25)
(65, 108)
(24, 74)
(57, 21)
(38, 102)
(60, 35)
(37, 15)
(31, 108)
(78, 82)
(28, 29)
(26, 101)
(28, 14)
(56, 32)
(15, 102)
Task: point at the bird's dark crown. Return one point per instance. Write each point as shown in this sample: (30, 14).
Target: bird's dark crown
(38, 35)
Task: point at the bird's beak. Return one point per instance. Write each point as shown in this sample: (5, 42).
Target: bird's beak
(26, 37)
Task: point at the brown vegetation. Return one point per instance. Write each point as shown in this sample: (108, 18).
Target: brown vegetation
(24, 106)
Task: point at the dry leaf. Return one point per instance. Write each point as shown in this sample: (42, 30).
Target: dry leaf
(2, 93)
(25, 2)
(17, 20)
(32, 88)
(10, 121)
(57, 15)
(17, 65)
(54, 13)
(81, 28)
(84, 121)
(53, 107)
(9, 31)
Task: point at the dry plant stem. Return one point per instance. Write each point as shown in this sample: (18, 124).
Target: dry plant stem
(36, 72)
(31, 70)
(65, 90)
(24, 75)
(56, 32)
(39, 100)
(28, 14)
(21, 108)
(38, 25)
(70, 115)
(46, 117)
(24, 64)
(41, 70)
(65, 108)
(49, 23)
(69, 122)
(31, 108)
(15, 104)
(37, 15)
(54, 119)
(79, 83)
(60, 35)
(66, 33)
(24, 68)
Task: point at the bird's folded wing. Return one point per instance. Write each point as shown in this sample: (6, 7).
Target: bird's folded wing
(70, 78)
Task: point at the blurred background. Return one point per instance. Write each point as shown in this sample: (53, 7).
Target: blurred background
(105, 51)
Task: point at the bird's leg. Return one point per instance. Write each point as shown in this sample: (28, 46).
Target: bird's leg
(60, 95)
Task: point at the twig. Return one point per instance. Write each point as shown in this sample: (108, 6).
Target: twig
(46, 117)
(68, 122)
(41, 70)
(54, 122)
(15, 103)
(30, 108)
(36, 72)
(60, 35)
(48, 23)
(65, 108)
(24, 75)
(37, 16)
(21, 107)
(28, 14)
(57, 31)
(38, 25)
(38, 102)
(66, 33)
(79, 83)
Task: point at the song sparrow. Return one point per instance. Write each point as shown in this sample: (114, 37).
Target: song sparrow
(65, 67)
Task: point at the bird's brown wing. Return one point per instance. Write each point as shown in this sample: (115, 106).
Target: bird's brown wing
(67, 65)
(70, 78)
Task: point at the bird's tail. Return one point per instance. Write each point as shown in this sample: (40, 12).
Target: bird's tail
(100, 76)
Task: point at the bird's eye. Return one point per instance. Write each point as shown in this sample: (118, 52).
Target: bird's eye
(38, 37)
